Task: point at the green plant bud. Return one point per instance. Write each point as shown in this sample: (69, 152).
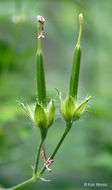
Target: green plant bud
(68, 108)
(40, 117)
(50, 112)
(80, 110)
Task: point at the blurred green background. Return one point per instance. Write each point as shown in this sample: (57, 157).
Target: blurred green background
(86, 154)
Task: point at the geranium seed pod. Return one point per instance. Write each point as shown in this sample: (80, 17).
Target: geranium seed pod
(41, 83)
(76, 64)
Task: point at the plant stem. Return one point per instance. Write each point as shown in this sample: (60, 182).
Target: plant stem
(39, 40)
(31, 180)
(35, 175)
(80, 32)
(68, 127)
(38, 176)
(37, 159)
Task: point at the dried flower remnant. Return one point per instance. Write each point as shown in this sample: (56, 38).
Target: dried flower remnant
(41, 20)
(47, 161)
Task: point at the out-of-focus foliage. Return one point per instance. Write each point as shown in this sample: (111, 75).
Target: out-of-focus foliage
(86, 155)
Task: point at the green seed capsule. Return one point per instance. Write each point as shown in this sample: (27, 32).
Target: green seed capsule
(70, 109)
(76, 64)
(41, 84)
(42, 114)
(75, 72)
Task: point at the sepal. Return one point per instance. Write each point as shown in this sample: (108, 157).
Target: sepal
(67, 107)
(51, 112)
(80, 109)
(26, 109)
(40, 116)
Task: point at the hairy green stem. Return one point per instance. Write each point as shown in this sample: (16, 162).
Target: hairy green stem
(68, 127)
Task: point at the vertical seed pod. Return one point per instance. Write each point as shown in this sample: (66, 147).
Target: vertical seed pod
(76, 64)
(41, 85)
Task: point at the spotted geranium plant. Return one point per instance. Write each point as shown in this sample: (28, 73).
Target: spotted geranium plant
(43, 112)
